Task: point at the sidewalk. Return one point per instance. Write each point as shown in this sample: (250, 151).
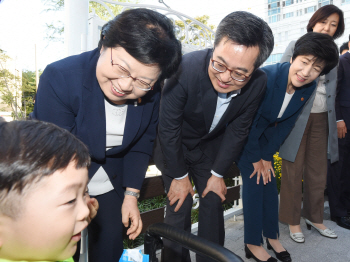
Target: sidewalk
(315, 249)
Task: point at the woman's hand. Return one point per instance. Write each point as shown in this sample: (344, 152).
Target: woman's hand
(259, 170)
(268, 170)
(130, 211)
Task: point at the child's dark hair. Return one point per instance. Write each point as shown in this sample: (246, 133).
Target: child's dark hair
(31, 150)
(320, 46)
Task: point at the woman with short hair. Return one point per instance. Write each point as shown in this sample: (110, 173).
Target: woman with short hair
(109, 98)
(304, 152)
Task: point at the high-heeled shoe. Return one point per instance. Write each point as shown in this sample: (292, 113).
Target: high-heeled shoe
(297, 237)
(326, 232)
(249, 254)
(284, 256)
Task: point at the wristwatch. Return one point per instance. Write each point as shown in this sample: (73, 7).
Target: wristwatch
(131, 193)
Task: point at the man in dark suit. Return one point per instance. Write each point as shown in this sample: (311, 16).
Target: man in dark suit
(206, 111)
(338, 179)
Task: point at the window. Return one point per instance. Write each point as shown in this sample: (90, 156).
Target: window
(287, 15)
(310, 9)
(273, 59)
(273, 1)
(324, 2)
(289, 2)
(274, 11)
(345, 2)
(274, 18)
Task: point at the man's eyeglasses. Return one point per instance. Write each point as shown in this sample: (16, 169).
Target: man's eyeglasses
(124, 73)
(221, 68)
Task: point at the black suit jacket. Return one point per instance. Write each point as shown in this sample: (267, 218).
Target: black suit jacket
(342, 101)
(69, 96)
(188, 106)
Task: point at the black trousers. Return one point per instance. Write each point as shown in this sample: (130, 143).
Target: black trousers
(106, 229)
(338, 180)
(210, 218)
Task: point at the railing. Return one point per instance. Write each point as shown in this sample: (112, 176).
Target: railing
(194, 35)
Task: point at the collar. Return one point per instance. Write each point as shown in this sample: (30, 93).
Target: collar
(229, 95)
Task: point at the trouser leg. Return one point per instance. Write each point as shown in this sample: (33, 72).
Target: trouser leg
(105, 230)
(180, 219)
(270, 209)
(345, 174)
(334, 183)
(252, 207)
(210, 216)
(315, 172)
(291, 185)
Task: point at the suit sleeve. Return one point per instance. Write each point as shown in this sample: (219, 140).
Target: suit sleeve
(174, 98)
(288, 53)
(136, 160)
(339, 87)
(237, 132)
(53, 100)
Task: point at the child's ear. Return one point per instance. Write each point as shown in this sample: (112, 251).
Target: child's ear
(291, 60)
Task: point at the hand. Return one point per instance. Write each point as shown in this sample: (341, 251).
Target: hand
(178, 191)
(341, 126)
(130, 211)
(259, 170)
(216, 185)
(268, 169)
(93, 207)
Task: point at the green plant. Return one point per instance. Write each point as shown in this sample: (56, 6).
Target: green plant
(278, 169)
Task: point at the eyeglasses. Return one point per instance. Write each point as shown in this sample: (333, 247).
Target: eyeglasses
(124, 73)
(221, 68)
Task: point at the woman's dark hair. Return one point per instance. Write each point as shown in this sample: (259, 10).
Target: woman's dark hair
(146, 35)
(320, 46)
(249, 30)
(322, 13)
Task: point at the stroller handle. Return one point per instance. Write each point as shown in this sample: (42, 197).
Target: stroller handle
(187, 240)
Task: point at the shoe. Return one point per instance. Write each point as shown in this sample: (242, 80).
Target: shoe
(284, 256)
(249, 254)
(297, 237)
(342, 221)
(326, 233)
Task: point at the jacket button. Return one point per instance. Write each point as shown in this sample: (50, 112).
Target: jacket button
(330, 111)
(329, 96)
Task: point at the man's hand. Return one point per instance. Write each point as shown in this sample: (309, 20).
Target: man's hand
(341, 126)
(178, 191)
(268, 170)
(93, 207)
(130, 211)
(217, 185)
(259, 170)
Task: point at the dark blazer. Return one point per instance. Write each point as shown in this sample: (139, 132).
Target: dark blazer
(268, 132)
(342, 101)
(187, 110)
(69, 96)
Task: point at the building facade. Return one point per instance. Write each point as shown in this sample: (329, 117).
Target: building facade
(288, 20)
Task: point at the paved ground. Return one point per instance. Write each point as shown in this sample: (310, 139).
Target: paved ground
(315, 249)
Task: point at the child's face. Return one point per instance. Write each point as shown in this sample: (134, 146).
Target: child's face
(304, 70)
(53, 215)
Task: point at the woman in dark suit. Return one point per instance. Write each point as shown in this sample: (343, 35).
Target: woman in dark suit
(289, 86)
(109, 98)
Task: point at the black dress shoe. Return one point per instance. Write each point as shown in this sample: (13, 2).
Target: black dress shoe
(249, 254)
(284, 256)
(342, 221)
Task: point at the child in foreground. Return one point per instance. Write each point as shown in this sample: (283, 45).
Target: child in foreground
(44, 204)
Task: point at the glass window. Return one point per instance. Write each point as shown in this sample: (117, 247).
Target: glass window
(345, 2)
(289, 2)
